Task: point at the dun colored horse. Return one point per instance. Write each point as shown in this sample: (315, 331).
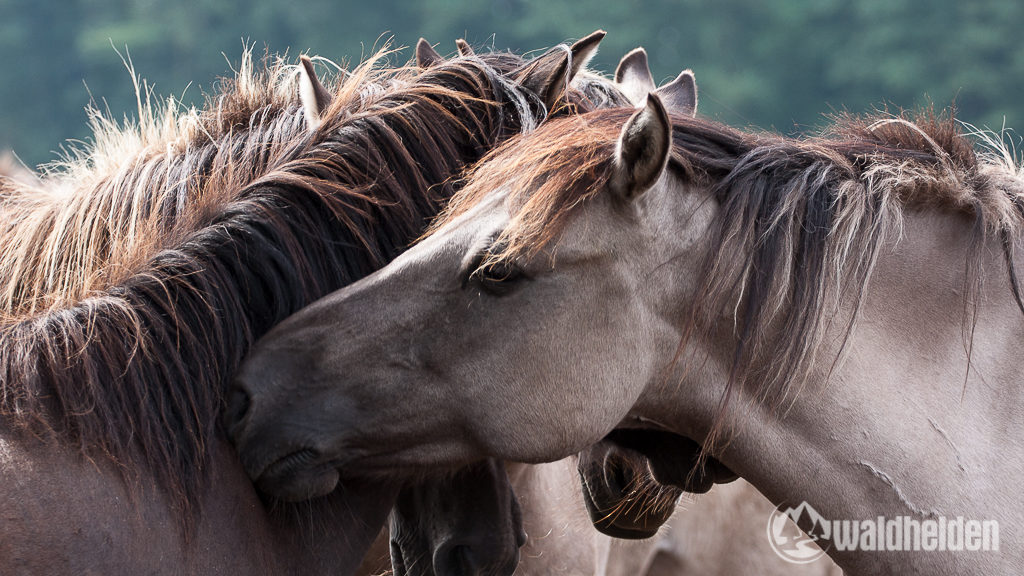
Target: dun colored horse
(836, 319)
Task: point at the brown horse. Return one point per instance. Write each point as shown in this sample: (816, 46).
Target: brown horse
(639, 269)
(135, 285)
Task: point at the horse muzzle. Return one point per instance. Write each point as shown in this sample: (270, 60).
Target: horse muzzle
(277, 448)
(620, 492)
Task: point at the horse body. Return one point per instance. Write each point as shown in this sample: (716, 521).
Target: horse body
(579, 285)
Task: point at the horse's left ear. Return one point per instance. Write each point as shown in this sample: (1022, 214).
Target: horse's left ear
(642, 151)
(633, 75)
(549, 75)
(314, 97)
(426, 56)
(680, 95)
(583, 50)
(464, 48)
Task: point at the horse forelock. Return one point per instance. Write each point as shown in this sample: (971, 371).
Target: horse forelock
(546, 173)
(133, 287)
(800, 223)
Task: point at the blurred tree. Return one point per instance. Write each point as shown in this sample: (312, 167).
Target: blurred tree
(774, 65)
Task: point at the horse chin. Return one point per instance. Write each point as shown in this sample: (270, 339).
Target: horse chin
(620, 494)
(616, 527)
(297, 477)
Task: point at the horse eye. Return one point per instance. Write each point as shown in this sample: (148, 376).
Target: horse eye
(498, 278)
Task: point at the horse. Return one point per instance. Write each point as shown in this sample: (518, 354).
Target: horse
(420, 542)
(632, 512)
(832, 318)
(136, 281)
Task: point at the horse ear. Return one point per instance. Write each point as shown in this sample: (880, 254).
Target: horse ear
(426, 56)
(634, 76)
(546, 75)
(583, 50)
(464, 48)
(550, 74)
(314, 97)
(680, 95)
(643, 149)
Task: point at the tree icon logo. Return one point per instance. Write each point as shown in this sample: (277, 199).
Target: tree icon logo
(799, 534)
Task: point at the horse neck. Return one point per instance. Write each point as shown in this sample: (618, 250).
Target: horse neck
(899, 427)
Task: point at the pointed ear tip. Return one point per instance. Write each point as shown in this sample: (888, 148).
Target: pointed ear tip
(654, 103)
(306, 69)
(425, 54)
(588, 42)
(637, 52)
(635, 58)
(686, 77)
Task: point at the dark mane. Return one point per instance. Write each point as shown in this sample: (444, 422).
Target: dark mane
(134, 283)
(800, 224)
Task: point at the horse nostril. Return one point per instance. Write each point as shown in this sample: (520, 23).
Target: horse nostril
(621, 479)
(238, 406)
(466, 562)
(455, 560)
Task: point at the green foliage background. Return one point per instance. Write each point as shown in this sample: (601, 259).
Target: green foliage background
(778, 65)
